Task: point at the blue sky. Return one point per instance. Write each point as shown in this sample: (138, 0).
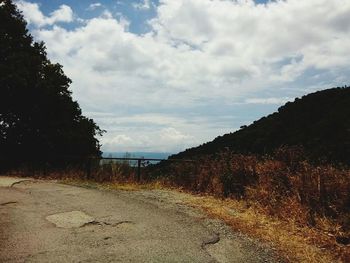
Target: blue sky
(89, 9)
(170, 74)
(137, 17)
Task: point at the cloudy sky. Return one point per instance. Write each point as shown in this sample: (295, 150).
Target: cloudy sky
(164, 75)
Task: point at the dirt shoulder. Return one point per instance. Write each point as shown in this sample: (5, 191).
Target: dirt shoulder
(45, 221)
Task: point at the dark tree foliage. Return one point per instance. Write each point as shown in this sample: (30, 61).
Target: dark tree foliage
(38, 118)
(318, 122)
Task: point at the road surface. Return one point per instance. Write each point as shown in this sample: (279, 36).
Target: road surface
(45, 221)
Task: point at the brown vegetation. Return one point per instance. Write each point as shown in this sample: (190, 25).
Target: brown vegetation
(302, 208)
(315, 199)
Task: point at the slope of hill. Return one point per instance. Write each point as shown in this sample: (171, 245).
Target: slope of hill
(320, 122)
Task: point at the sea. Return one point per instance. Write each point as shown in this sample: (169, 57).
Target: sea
(151, 155)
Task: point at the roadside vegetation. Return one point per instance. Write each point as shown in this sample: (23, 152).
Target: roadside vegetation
(301, 208)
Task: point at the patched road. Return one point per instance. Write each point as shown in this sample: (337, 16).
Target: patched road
(44, 221)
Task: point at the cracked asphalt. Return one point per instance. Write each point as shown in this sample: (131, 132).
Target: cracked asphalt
(45, 221)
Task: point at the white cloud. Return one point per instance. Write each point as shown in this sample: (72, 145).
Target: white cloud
(143, 5)
(33, 15)
(121, 139)
(164, 140)
(156, 132)
(277, 101)
(200, 55)
(94, 6)
(171, 134)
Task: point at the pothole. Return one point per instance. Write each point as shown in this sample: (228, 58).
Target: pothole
(73, 219)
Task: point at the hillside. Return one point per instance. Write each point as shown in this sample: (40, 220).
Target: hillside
(320, 122)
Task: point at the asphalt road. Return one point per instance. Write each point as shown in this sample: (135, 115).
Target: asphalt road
(45, 221)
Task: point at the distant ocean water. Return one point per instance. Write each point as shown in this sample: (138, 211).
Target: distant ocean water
(155, 155)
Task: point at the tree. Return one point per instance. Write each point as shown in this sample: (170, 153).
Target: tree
(38, 117)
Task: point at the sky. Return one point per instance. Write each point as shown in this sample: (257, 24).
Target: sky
(165, 75)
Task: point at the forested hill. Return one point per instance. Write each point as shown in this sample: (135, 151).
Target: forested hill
(320, 122)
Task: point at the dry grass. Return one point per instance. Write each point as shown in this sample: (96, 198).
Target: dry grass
(303, 208)
(293, 242)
